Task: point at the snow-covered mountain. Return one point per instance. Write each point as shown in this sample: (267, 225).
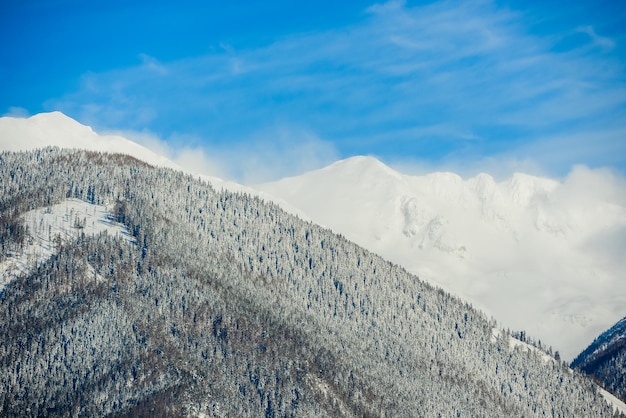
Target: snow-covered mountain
(605, 359)
(56, 129)
(540, 255)
(153, 294)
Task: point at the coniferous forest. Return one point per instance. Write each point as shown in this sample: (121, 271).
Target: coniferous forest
(605, 359)
(221, 304)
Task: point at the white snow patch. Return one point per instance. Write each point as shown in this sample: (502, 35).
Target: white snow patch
(495, 334)
(48, 224)
(514, 343)
(617, 404)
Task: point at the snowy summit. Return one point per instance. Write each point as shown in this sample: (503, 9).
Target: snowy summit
(538, 254)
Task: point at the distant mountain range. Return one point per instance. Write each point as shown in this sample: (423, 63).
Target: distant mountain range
(540, 255)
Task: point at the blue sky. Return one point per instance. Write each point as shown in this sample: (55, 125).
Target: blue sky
(258, 90)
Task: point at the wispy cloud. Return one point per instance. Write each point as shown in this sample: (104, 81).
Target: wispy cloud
(152, 64)
(270, 155)
(598, 40)
(418, 81)
(17, 112)
(390, 6)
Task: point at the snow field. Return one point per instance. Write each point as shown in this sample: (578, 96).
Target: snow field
(49, 224)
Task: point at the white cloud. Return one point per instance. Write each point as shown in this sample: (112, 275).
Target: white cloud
(467, 166)
(281, 153)
(389, 6)
(152, 64)
(192, 158)
(17, 112)
(275, 154)
(598, 40)
(196, 160)
(590, 187)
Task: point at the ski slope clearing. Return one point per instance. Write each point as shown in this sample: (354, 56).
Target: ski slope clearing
(50, 226)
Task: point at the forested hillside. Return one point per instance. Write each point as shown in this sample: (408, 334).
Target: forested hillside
(224, 305)
(605, 359)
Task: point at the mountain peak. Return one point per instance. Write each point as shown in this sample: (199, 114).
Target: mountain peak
(479, 238)
(53, 116)
(361, 166)
(57, 129)
(358, 160)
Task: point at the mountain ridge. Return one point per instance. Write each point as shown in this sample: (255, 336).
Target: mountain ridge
(55, 129)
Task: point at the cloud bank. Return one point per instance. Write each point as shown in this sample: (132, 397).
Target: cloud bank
(276, 154)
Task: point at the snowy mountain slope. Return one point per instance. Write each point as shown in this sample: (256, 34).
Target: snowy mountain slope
(46, 226)
(58, 130)
(614, 336)
(617, 404)
(605, 359)
(536, 253)
(225, 305)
